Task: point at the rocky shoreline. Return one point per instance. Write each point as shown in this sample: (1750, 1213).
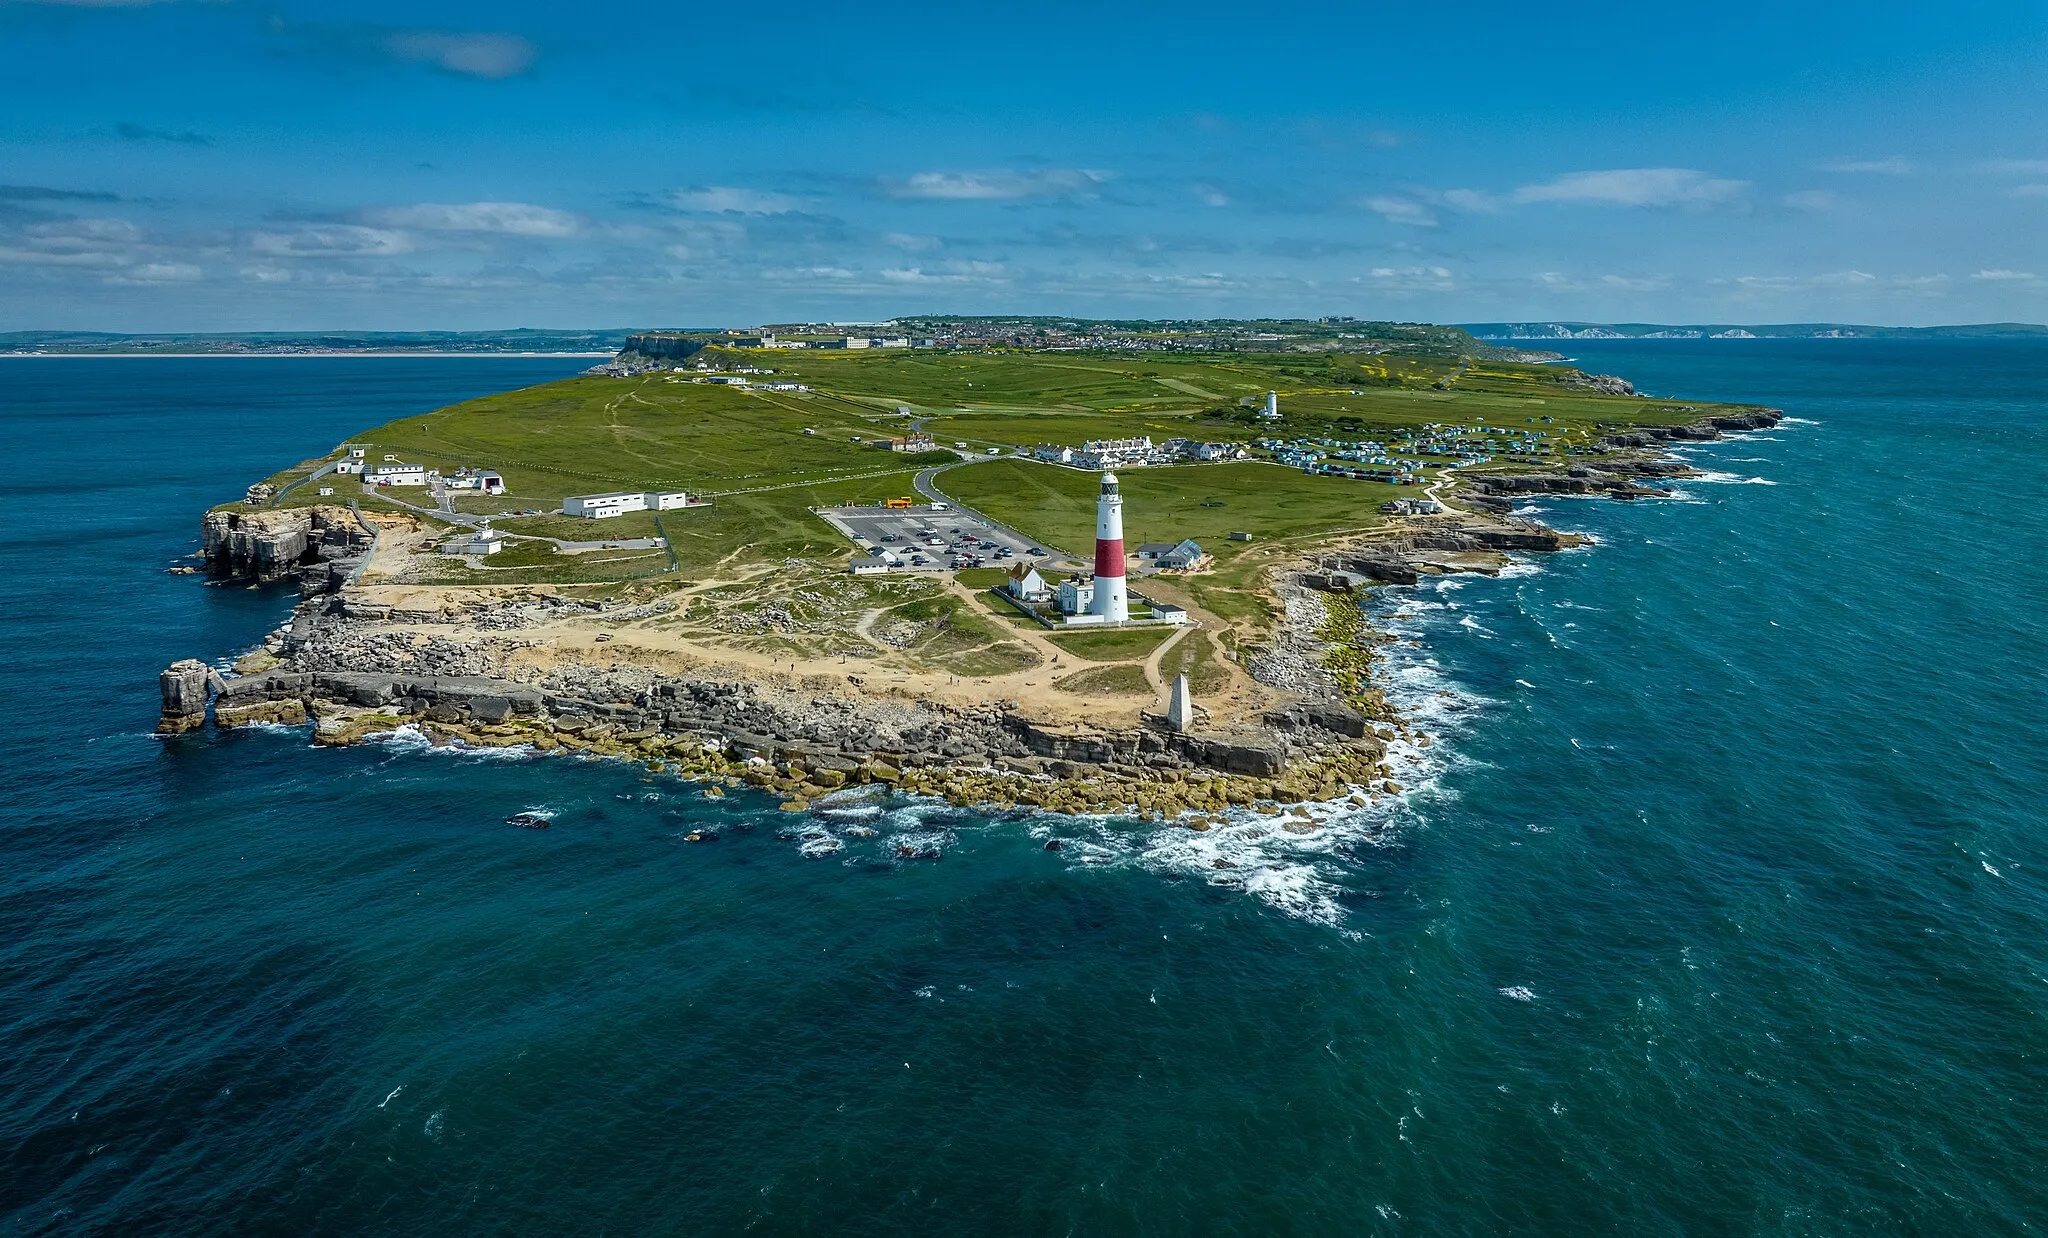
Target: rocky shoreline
(356, 669)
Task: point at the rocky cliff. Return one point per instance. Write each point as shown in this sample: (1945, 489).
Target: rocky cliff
(271, 544)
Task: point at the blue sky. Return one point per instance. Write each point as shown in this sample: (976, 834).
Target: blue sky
(240, 166)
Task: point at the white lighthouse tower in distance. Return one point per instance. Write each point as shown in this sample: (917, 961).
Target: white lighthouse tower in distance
(1111, 602)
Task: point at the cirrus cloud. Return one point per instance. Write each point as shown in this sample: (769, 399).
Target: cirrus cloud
(508, 218)
(1892, 166)
(474, 55)
(998, 185)
(1642, 187)
(331, 241)
(1400, 211)
(722, 199)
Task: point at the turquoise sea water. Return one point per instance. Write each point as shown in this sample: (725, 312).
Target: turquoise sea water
(1718, 906)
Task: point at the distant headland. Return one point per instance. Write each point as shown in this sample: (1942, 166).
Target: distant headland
(804, 555)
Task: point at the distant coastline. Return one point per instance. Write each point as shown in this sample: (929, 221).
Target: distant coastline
(307, 352)
(1547, 331)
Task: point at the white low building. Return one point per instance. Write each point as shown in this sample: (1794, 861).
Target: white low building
(483, 540)
(1026, 585)
(605, 506)
(619, 502)
(1075, 595)
(486, 480)
(396, 475)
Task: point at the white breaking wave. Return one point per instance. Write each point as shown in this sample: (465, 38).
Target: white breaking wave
(1730, 479)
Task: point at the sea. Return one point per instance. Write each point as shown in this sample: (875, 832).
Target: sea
(1717, 903)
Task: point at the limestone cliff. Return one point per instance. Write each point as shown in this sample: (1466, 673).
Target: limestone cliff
(267, 545)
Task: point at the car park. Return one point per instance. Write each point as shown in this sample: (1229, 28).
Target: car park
(923, 538)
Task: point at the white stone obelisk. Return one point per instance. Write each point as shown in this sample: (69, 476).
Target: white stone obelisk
(1180, 713)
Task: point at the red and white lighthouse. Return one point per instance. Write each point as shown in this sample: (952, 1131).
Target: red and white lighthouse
(1110, 601)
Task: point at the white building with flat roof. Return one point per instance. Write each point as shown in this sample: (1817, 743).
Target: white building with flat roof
(619, 502)
(605, 506)
(396, 475)
(483, 540)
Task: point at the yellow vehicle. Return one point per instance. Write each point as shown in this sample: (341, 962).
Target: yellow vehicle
(896, 504)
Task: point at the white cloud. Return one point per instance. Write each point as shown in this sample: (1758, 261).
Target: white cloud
(76, 234)
(161, 273)
(2001, 274)
(1211, 196)
(1472, 201)
(954, 273)
(1832, 279)
(2017, 167)
(915, 242)
(60, 258)
(509, 218)
(1400, 211)
(1631, 284)
(331, 241)
(722, 198)
(2030, 191)
(808, 273)
(1892, 166)
(1636, 187)
(1812, 200)
(1429, 278)
(476, 55)
(997, 186)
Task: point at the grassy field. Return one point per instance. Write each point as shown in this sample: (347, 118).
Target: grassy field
(1027, 429)
(737, 530)
(770, 456)
(1127, 645)
(1168, 504)
(1126, 680)
(1197, 658)
(982, 577)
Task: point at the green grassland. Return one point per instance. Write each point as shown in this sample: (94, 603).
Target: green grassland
(1168, 504)
(769, 457)
(1124, 680)
(1129, 644)
(767, 525)
(1196, 657)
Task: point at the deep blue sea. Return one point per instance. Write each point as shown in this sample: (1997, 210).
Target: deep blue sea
(1720, 906)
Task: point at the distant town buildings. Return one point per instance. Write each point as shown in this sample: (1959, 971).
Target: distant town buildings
(1098, 455)
(908, 443)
